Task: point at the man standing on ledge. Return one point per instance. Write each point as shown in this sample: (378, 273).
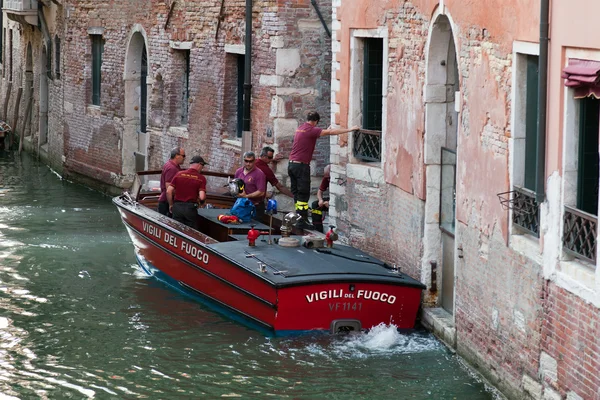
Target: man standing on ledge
(186, 191)
(171, 167)
(305, 140)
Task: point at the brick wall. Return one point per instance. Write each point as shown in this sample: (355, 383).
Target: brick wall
(210, 113)
(571, 339)
(498, 308)
(388, 229)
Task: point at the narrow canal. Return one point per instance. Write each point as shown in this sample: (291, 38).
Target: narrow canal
(78, 319)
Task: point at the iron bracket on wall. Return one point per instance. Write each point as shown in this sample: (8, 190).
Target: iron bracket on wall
(170, 13)
(220, 18)
(316, 7)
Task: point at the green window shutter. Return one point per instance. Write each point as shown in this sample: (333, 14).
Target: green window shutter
(97, 48)
(587, 171)
(372, 84)
(241, 63)
(531, 114)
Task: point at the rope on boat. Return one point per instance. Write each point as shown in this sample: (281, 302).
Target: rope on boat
(382, 264)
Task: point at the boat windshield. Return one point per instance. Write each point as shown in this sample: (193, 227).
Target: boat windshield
(146, 185)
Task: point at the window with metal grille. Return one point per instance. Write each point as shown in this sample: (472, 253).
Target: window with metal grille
(522, 199)
(367, 142)
(97, 50)
(580, 224)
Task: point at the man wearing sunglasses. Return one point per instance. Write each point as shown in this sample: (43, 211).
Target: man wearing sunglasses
(171, 167)
(255, 183)
(266, 157)
(305, 140)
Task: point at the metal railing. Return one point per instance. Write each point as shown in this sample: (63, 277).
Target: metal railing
(367, 145)
(580, 234)
(526, 211)
(20, 5)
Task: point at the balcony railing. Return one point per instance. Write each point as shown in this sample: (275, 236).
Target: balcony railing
(526, 211)
(580, 234)
(367, 145)
(20, 5)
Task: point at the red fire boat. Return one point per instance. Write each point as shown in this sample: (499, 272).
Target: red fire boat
(285, 282)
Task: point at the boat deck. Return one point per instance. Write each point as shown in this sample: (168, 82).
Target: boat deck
(288, 266)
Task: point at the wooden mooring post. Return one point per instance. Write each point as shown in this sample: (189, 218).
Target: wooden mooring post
(6, 99)
(25, 119)
(13, 131)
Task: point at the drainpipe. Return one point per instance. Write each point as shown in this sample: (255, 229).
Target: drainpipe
(542, 99)
(247, 67)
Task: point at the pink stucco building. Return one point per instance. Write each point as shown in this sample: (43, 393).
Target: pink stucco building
(446, 180)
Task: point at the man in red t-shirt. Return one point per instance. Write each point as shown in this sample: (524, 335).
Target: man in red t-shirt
(266, 156)
(171, 167)
(305, 140)
(186, 191)
(322, 203)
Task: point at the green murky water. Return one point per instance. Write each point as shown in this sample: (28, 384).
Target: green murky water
(78, 319)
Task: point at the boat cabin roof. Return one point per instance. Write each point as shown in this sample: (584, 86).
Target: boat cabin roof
(288, 266)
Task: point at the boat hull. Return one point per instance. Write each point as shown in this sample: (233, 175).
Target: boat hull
(186, 260)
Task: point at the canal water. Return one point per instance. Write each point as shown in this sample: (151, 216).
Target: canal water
(78, 319)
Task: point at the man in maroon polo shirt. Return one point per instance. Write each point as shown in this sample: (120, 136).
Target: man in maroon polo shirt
(255, 183)
(305, 140)
(186, 191)
(171, 167)
(266, 157)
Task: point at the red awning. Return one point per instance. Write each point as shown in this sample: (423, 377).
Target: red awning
(584, 77)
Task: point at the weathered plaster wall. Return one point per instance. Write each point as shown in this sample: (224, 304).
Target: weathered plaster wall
(570, 337)
(564, 36)
(499, 292)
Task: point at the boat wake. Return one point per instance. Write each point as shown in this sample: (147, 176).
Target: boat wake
(380, 341)
(383, 340)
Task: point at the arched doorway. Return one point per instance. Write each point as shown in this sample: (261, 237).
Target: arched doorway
(135, 137)
(43, 112)
(441, 139)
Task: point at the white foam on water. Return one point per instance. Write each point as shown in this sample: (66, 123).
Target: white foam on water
(381, 340)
